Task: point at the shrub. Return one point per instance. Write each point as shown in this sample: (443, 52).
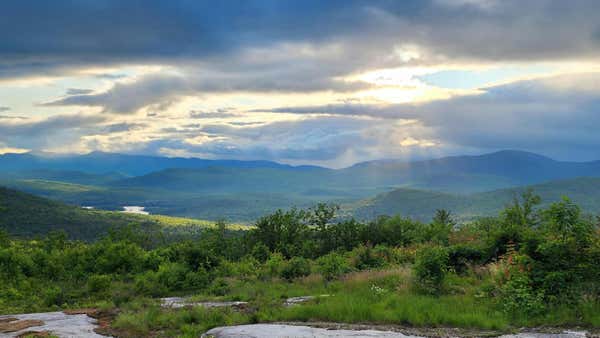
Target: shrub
(461, 255)
(273, 266)
(196, 279)
(245, 269)
(219, 287)
(260, 252)
(402, 255)
(172, 275)
(53, 296)
(364, 257)
(147, 284)
(430, 268)
(98, 283)
(519, 298)
(295, 267)
(332, 265)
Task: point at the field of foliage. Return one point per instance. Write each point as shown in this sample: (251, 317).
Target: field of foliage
(528, 266)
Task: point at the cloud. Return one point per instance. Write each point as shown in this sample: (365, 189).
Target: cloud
(110, 76)
(128, 97)
(157, 89)
(78, 91)
(123, 127)
(12, 117)
(56, 130)
(3, 109)
(358, 33)
(274, 48)
(219, 113)
(556, 116)
(334, 141)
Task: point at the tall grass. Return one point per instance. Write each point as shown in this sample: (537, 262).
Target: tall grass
(384, 297)
(188, 322)
(367, 297)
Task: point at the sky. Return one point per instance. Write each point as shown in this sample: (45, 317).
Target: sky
(303, 82)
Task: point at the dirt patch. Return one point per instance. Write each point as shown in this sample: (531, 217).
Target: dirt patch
(104, 319)
(90, 312)
(6, 320)
(18, 325)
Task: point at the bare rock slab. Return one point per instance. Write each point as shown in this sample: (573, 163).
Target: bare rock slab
(179, 302)
(58, 323)
(281, 331)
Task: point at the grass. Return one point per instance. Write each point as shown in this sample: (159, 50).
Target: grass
(386, 297)
(377, 297)
(141, 318)
(351, 300)
(402, 309)
(172, 221)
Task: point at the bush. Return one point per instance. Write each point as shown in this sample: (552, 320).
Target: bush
(245, 269)
(260, 252)
(519, 298)
(273, 266)
(98, 283)
(332, 266)
(364, 257)
(219, 287)
(172, 275)
(461, 255)
(197, 279)
(147, 284)
(295, 268)
(430, 268)
(53, 296)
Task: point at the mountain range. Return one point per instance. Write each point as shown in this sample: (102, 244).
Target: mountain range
(244, 190)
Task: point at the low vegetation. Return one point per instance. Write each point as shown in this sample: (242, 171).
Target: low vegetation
(528, 266)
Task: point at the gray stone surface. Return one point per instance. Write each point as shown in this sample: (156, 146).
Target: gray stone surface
(60, 324)
(179, 302)
(284, 331)
(564, 334)
(299, 300)
(302, 331)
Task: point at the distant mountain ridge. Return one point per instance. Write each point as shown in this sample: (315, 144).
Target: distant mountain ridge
(492, 171)
(133, 165)
(243, 190)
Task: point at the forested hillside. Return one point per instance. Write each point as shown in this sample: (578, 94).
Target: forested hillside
(420, 204)
(25, 215)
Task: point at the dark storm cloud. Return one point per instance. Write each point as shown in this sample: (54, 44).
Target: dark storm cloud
(158, 89)
(276, 46)
(39, 37)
